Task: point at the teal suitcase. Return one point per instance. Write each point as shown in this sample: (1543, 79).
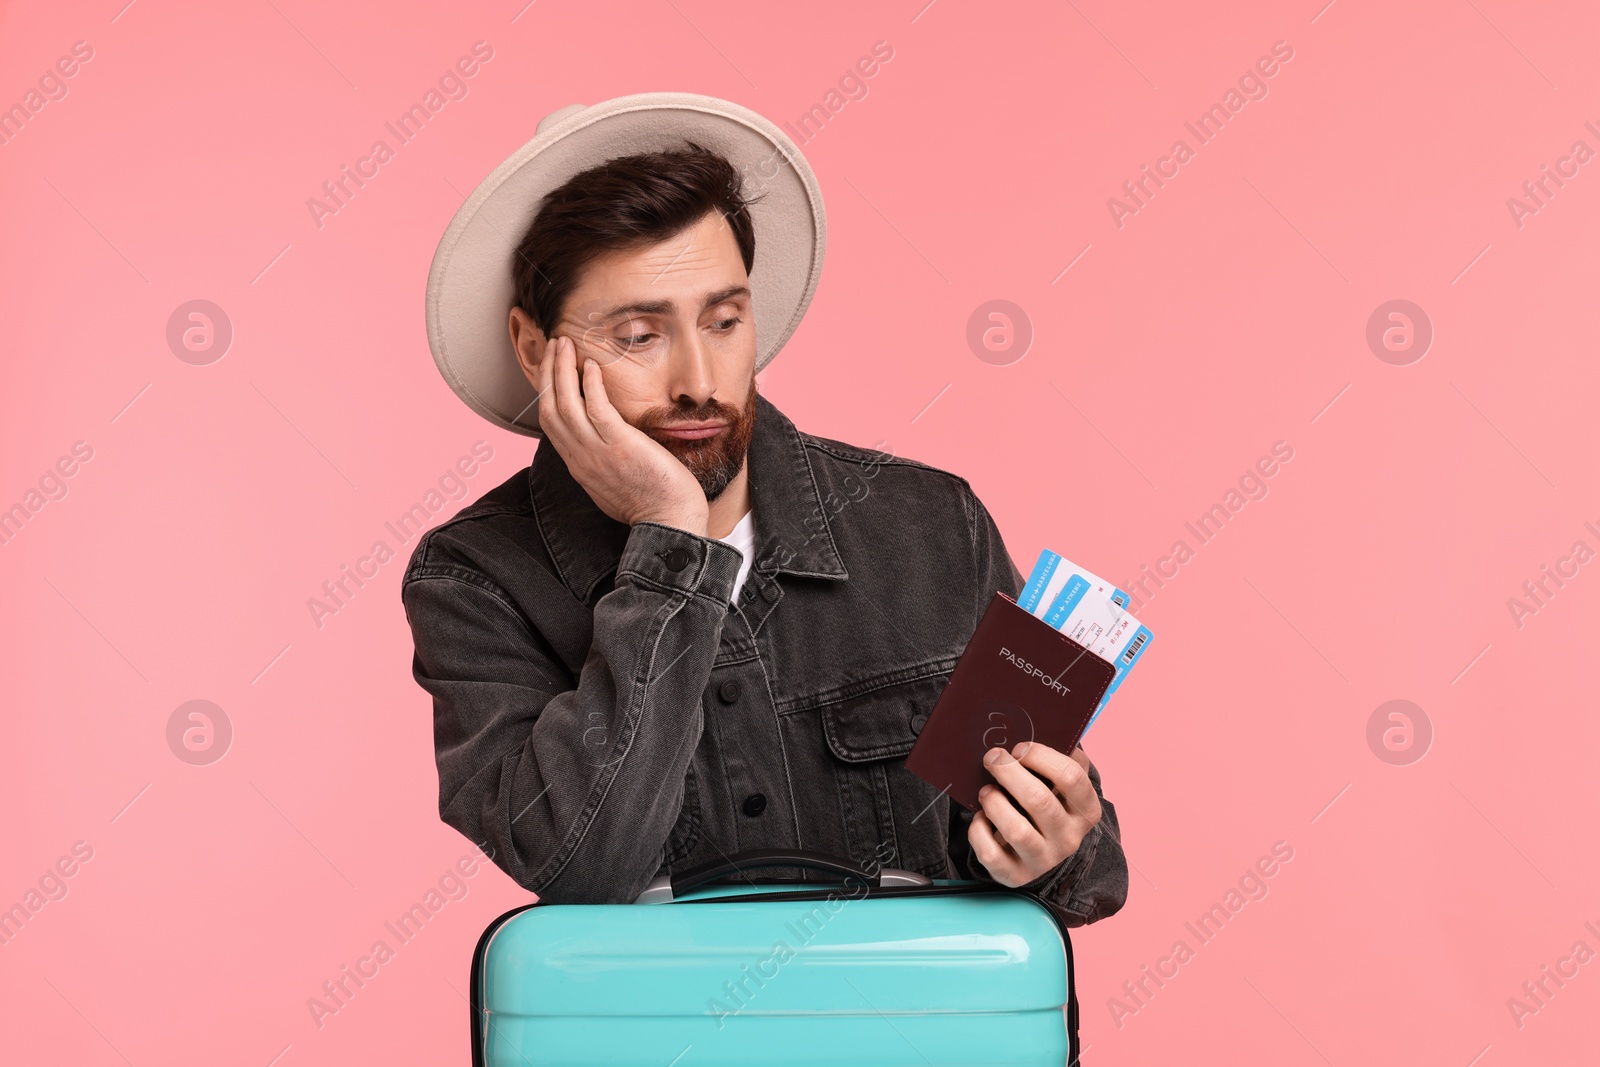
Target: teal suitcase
(879, 968)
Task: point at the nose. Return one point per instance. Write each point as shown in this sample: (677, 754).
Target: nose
(690, 374)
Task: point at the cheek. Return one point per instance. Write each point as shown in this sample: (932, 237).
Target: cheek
(736, 365)
(631, 389)
(745, 394)
(743, 345)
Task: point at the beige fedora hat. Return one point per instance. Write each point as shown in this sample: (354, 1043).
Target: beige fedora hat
(470, 292)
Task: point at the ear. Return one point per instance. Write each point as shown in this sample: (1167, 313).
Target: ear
(529, 342)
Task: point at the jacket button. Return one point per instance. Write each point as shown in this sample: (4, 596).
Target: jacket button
(676, 559)
(918, 722)
(755, 804)
(729, 691)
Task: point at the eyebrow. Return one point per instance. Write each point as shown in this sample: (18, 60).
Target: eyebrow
(667, 307)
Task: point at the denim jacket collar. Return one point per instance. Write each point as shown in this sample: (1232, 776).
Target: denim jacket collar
(792, 531)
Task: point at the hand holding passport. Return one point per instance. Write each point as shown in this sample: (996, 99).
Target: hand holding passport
(1038, 668)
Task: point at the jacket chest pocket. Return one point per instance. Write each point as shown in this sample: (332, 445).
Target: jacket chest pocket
(891, 816)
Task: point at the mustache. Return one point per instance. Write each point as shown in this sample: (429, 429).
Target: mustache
(711, 409)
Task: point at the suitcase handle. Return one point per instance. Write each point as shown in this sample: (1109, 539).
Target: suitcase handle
(665, 887)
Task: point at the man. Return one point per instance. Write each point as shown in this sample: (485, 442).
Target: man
(688, 629)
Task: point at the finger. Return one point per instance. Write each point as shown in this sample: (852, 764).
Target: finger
(588, 338)
(1069, 776)
(1081, 758)
(549, 415)
(569, 398)
(1032, 793)
(1023, 837)
(996, 859)
(597, 404)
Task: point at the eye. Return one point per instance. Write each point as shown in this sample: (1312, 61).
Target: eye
(725, 325)
(637, 340)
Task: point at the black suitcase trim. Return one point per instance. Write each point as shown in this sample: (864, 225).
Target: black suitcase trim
(475, 982)
(475, 995)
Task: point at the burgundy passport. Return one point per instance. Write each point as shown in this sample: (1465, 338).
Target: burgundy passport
(1019, 679)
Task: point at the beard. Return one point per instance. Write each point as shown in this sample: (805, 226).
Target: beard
(714, 461)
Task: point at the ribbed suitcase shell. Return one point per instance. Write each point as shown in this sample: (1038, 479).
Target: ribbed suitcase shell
(931, 977)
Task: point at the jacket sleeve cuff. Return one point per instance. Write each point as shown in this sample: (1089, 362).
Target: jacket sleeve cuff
(673, 560)
(1058, 882)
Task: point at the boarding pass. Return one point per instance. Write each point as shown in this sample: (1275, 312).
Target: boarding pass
(1089, 610)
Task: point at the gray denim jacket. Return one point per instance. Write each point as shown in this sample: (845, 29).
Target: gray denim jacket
(603, 715)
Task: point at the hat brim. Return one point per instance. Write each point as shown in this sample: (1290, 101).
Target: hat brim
(470, 290)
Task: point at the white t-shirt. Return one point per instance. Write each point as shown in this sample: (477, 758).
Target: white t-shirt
(742, 537)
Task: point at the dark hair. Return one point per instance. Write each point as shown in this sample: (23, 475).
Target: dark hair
(627, 202)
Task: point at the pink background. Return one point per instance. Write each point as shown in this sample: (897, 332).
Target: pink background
(1229, 313)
